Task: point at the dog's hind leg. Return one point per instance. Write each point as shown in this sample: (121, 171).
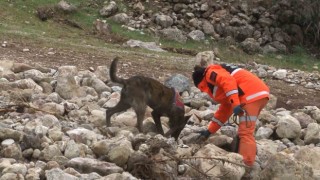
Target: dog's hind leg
(121, 106)
(156, 118)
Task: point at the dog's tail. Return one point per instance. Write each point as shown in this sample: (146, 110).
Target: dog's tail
(113, 70)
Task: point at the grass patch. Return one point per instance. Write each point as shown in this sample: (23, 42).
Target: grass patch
(149, 37)
(298, 59)
(129, 34)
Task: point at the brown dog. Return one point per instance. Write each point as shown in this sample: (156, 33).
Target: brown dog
(139, 92)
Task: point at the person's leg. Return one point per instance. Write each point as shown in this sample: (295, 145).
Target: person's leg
(247, 146)
(220, 117)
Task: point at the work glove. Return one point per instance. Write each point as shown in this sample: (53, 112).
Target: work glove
(237, 110)
(204, 134)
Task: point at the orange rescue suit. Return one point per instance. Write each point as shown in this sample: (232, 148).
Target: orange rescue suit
(232, 86)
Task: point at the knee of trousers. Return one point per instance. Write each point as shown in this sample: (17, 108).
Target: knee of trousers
(246, 128)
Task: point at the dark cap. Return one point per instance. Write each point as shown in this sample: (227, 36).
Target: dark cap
(198, 74)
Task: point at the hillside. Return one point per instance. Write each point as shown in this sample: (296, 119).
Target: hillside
(147, 63)
(28, 32)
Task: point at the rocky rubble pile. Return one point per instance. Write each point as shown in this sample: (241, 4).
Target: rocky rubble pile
(52, 126)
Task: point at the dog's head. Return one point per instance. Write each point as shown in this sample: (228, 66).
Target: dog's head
(198, 74)
(177, 126)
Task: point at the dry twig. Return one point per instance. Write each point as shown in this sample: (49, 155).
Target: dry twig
(174, 158)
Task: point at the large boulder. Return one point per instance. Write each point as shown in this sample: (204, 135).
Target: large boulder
(121, 18)
(11, 151)
(288, 127)
(263, 133)
(204, 58)
(265, 21)
(279, 46)
(266, 148)
(103, 147)
(33, 74)
(109, 9)
(72, 150)
(67, 70)
(67, 87)
(283, 166)
(316, 115)
(102, 27)
(303, 118)
(208, 28)
(250, 46)
(98, 85)
(312, 134)
(82, 135)
(118, 176)
(164, 171)
(173, 34)
(164, 21)
(119, 155)
(16, 168)
(179, 82)
(27, 84)
(146, 45)
(50, 121)
(102, 72)
(196, 35)
(215, 168)
(50, 152)
(272, 103)
(280, 74)
(87, 165)
(310, 157)
(66, 7)
(7, 133)
(57, 173)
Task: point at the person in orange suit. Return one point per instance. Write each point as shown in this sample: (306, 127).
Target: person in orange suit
(239, 92)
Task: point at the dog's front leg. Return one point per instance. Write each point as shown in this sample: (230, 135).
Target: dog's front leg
(177, 123)
(174, 132)
(157, 121)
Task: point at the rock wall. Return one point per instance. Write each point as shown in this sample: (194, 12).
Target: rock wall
(256, 26)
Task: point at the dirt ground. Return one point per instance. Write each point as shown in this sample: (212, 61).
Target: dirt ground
(289, 97)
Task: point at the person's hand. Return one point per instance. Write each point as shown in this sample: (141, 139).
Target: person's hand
(237, 110)
(204, 134)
